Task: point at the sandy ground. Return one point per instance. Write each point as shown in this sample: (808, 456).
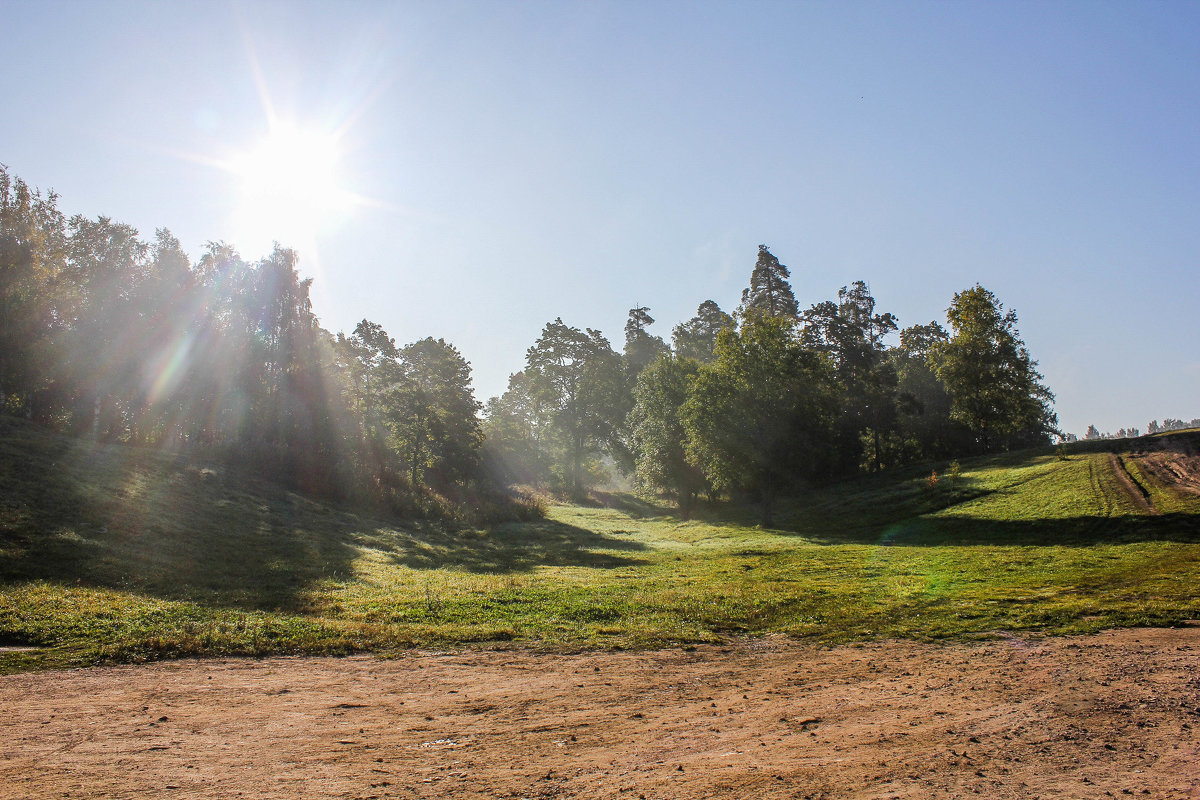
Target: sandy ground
(1115, 715)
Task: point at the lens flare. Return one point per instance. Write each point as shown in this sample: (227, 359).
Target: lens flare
(288, 190)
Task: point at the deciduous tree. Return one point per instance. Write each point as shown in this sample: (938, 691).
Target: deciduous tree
(758, 418)
(851, 333)
(994, 384)
(434, 414)
(658, 435)
(697, 338)
(582, 383)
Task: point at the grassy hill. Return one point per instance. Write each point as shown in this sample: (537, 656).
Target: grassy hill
(110, 554)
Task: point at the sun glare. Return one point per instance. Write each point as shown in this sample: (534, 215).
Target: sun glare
(288, 190)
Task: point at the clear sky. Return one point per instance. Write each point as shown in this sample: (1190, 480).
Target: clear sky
(473, 170)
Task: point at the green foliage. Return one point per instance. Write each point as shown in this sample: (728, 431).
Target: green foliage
(697, 338)
(995, 387)
(641, 347)
(433, 414)
(769, 292)
(659, 437)
(118, 339)
(32, 251)
(516, 435)
(582, 387)
(776, 409)
(758, 418)
(851, 334)
(925, 428)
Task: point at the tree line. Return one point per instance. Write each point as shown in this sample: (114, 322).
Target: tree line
(112, 336)
(108, 335)
(767, 400)
(1167, 425)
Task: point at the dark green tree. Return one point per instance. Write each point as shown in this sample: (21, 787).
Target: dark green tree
(642, 348)
(165, 301)
(769, 293)
(697, 338)
(32, 252)
(367, 361)
(582, 384)
(517, 437)
(658, 436)
(434, 415)
(368, 349)
(758, 418)
(926, 429)
(851, 333)
(995, 388)
(105, 266)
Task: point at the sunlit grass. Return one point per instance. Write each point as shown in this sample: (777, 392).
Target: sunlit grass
(117, 555)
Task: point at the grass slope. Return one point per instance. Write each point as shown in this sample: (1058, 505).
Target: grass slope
(111, 554)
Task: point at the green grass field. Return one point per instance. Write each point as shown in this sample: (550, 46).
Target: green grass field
(112, 554)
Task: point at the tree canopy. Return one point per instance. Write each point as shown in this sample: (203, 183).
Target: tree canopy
(758, 418)
(769, 292)
(697, 338)
(106, 334)
(581, 384)
(995, 387)
(761, 405)
(112, 336)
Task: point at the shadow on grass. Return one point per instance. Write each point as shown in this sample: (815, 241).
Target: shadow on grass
(137, 520)
(967, 531)
(632, 505)
(511, 547)
(867, 504)
(892, 511)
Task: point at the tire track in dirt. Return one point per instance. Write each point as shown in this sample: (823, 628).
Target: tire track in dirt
(1133, 488)
(1098, 488)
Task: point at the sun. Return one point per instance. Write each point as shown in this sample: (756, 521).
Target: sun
(288, 189)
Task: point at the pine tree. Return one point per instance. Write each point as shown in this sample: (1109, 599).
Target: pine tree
(770, 293)
(641, 347)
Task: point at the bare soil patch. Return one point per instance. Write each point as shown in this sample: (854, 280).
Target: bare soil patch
(1115, 714)
(1173, 461)
(1175, 469)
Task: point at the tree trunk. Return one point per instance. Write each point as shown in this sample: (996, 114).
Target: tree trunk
(416, 448)
(96, 418)
(685, 503)
(577, 465)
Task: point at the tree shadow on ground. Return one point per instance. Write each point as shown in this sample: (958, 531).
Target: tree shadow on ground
(509, 547)
(869, 503)
(141, 521)
(629, 504)
(899, 513)
(959, 531)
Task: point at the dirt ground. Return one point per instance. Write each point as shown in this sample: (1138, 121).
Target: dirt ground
(1116, 714)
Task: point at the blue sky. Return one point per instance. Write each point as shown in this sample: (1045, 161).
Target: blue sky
(515, 162)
